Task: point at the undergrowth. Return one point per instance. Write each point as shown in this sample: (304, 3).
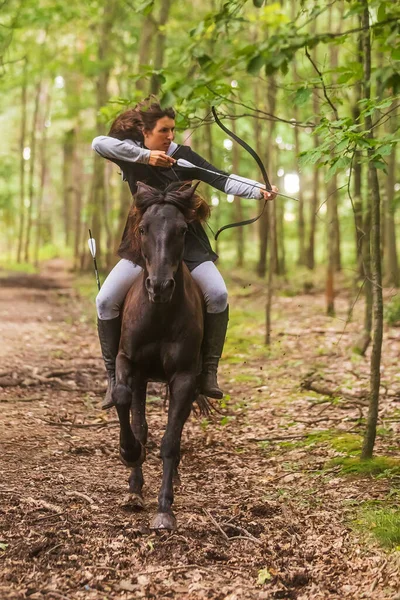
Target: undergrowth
(382, 523)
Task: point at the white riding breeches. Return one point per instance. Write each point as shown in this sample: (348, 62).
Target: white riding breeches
(112, 294)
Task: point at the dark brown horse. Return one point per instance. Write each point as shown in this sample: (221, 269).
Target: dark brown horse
(162, 332)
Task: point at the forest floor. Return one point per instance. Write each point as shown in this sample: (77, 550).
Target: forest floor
(273, 502)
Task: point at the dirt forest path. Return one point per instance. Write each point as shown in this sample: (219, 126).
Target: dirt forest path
(255, 520)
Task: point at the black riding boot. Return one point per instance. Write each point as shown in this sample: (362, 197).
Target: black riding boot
(215, 326)
(109, 334)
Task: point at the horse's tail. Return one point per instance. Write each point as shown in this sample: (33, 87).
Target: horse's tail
(201, 407)
(205, 407)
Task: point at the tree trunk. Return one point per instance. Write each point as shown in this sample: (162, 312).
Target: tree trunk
(32, 171)
(145, 48)
(97, 203)
(315, 184)
(160, 44)
(334, 196)
(280, 236)
(264, 223)
(370, 433)
(271, 266)
(331, 246)
(392, 275)
(364, 340)
(357, 174)
(209, 151)
(238, 209)
(78, 202)
(43, 176)
(68, 182)
(22, 164)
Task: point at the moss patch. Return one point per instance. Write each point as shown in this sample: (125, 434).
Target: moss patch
(382, 523)
(383, 466)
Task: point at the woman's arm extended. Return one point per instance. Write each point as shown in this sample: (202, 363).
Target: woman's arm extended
(129, 151)
(229, 184)
(113, 149)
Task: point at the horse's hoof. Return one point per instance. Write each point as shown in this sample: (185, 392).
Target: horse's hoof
(163, 521)
(132, 502)
(127, 457)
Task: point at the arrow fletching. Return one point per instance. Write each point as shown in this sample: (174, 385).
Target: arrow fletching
(92, 244)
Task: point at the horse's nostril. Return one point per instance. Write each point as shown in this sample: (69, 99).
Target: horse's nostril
(169, 284)
(148, 283)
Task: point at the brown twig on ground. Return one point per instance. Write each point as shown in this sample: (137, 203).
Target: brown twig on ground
(80, 495)
(247, 536)
(312, 385)
(28, 399)
(79, 425)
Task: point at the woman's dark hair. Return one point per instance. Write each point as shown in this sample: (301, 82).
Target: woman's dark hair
(144, 116)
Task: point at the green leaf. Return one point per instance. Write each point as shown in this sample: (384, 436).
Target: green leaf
(385, 150)
(341, 163)
(3, 546)
(145, 7)
(205, 61)
(263, 576)
(302, 96)
(342, 145)
(396, 54)
(258, 3)
(168, 99)
(255, 64)
(285, 68)
(344, 78)
(379, 164)
(382, 12)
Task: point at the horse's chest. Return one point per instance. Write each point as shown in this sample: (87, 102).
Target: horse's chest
(157, 359)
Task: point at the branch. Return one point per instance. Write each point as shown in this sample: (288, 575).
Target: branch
(257, 110)
(323, 84)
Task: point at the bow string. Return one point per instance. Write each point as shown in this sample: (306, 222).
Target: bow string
(259, 162)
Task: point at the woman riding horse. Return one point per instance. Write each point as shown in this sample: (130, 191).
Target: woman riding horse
(140, 142)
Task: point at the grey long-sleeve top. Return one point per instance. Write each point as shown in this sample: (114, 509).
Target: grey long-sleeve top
(133, 152)
(133, 159)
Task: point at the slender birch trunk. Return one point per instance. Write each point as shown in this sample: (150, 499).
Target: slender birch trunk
(21, 227)
(160, 44)
(372, 419)
(43, 176)
(32, 165)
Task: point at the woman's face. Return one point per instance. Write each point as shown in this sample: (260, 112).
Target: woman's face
(161, 136)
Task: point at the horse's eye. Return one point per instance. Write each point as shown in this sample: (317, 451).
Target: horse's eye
(141, 230)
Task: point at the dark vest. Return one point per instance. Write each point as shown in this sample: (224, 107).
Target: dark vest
(197, 244)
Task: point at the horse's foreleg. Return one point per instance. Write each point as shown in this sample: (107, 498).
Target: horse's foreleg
(140, 429)
(182, 395)
(131, 450)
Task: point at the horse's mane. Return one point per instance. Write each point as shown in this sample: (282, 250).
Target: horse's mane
(181, 195)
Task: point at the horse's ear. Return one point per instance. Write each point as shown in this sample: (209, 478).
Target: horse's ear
(143, 188)
(187, 191)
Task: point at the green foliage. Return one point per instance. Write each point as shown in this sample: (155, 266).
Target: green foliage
(381, 466)
(392, 311)
(263, 576)
(342, 442)
(382, 523)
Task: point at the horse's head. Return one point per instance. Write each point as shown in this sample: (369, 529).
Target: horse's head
(161, 224)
